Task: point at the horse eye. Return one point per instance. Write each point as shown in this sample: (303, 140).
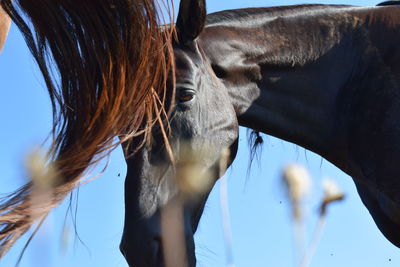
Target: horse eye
(186, 95)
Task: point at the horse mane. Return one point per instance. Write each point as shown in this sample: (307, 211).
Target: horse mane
(255, 142)
(389, 3)
(243, 14)
(105, 67)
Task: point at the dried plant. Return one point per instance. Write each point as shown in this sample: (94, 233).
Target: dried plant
(224, 202)
(42, 173)
(332, 193)
(298, 184)
(172, 233)
(192, 177)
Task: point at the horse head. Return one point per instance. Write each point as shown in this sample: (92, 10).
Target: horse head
(202, 124)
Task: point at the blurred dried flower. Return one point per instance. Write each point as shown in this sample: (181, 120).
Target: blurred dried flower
(42, 173)
(224, 201)
(191, 174)
(192, 177)
(224, 161)
(172, 233)
(65, 238)
(332, 193)
(297, 180)
(298, 184)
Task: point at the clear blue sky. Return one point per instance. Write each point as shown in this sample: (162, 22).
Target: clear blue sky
(262, 233)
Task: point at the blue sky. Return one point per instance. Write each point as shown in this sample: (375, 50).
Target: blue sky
(261, 226)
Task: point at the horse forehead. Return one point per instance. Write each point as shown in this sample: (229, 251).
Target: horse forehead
(187, 61)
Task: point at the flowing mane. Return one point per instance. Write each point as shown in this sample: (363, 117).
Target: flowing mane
(105, 69)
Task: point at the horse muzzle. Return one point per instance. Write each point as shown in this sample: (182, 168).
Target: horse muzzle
(151, 242)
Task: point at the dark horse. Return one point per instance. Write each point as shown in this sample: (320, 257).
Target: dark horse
(324, 77)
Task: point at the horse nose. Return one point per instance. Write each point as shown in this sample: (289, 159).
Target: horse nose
(141, 251)
(143, 247)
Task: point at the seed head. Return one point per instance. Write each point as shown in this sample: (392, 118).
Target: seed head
(332, 193)
(298, 184)
(42, 173)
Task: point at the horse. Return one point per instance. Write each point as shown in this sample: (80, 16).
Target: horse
(264, 69)
(324, 77)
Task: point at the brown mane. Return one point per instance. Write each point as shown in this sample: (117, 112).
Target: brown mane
(105, 68)
(4, 27)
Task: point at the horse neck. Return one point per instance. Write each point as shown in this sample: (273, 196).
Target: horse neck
(290, 75)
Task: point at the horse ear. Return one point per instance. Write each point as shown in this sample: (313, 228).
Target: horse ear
(191, 19)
